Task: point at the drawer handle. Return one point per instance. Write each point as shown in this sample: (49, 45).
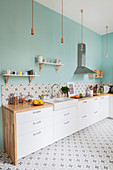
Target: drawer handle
(96, 112)
(102, 98)
(95, 99)
(84, 116)
(66, 123)
(66, 114)
(37, 112)
(85, 102)
(35, 123)
(34, 134)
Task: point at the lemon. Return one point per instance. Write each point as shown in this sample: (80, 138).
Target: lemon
(40, 102)
(35, 102)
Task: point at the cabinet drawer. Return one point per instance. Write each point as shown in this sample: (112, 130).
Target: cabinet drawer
(64, 115)
(64, 129)
(29, 143)
(31, 126)
(34, 115)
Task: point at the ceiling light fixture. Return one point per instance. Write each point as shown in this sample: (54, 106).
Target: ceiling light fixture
(81, 29)
(32, 29)
(62, 39)
(106, 40)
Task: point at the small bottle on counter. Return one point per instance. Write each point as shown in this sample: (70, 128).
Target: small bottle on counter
(15, 99)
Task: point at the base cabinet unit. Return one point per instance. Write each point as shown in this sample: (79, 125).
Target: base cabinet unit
(64, 122)
(111, 106)
(33, 128)
(95, 111)
(104, 107)
(28, 131)
(84, 114)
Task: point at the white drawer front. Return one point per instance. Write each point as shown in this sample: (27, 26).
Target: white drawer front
(64, 115)
(34, 115)
(29, 143)
(64, 129)
(34, 125)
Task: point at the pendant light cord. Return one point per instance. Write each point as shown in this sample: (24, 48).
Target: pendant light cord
(81, 28)
(62, 18)
(106, 41)
(32, 13)
(62, 39)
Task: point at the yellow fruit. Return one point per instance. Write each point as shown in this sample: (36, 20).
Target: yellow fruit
(40, 102)
(35, 102)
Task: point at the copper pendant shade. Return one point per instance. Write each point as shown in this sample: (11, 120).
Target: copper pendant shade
(32, 29)
(62, 39)
(106, 40)
(81, 29)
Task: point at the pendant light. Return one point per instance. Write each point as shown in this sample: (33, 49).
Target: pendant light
(106, 40)
(81, 29)
(32, 29)
(62, 39)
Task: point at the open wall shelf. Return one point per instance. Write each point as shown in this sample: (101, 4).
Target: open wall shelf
(7, 76)
(47, 63)
(99, 74)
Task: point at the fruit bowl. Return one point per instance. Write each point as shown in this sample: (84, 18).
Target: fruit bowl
(37, 102)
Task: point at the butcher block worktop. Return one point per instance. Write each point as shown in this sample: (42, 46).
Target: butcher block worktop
(25, 107)
(100, 95)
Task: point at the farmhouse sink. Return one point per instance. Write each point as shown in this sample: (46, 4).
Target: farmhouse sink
(61, 103)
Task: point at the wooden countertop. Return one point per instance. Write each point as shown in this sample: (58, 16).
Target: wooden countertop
(25, 107)
(86, 98)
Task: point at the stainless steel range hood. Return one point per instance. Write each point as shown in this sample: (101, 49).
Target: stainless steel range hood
(81, 68)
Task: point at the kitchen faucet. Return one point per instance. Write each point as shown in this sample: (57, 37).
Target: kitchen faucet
(52, 96)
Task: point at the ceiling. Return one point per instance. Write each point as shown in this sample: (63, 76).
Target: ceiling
(97, 13)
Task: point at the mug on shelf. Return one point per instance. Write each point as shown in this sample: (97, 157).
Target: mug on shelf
(8, 71)
(25, 73)
(40, 58)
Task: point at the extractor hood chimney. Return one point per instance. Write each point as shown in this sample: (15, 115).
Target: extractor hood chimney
(81, 68)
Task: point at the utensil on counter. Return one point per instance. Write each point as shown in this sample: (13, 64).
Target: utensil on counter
(106, 88)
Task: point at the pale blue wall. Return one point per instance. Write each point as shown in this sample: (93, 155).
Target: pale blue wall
(18, 48)
(107, 61)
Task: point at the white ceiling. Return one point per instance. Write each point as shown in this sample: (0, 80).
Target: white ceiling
(97, 13)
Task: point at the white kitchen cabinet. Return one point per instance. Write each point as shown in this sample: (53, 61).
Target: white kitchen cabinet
(34, 130)
(84, 114)
(65, 122)
(104, 107)
(111, 106)
(95, 110)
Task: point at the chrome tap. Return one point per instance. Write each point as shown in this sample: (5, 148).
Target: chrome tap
(52, 96)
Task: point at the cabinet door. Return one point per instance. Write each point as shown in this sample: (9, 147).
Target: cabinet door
(104, 107)
(34, 115)
(95, 111)
(31, 142)
(111, 106)
(84, 114)
(64, 122)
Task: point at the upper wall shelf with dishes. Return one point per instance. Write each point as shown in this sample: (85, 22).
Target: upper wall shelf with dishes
(47, 63)
(99, 74)
(12, 75)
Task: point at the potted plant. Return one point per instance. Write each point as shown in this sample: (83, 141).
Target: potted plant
(65, 90)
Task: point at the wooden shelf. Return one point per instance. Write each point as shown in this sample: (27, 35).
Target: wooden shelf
(7, 76)
(47, 63)
(99, 74)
